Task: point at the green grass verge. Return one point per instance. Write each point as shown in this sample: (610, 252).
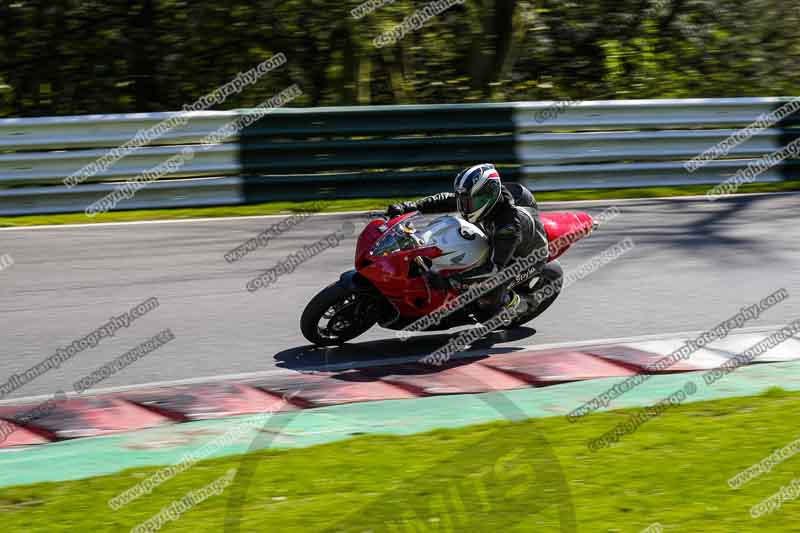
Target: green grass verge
(365, 204)
(494, 477)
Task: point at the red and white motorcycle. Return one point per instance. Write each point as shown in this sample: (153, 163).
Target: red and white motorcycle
(389, 287)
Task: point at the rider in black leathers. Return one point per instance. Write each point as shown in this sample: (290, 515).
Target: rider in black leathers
(511, 222)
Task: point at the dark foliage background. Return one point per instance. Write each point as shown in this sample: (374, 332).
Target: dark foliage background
(91, 56)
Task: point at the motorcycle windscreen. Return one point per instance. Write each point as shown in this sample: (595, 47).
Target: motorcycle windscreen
(402, 237)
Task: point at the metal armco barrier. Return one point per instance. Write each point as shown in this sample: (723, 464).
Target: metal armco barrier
(348, 152)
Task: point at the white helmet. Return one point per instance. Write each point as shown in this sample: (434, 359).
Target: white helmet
(477, 191)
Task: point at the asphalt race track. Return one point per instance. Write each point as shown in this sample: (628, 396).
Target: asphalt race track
(694, 264)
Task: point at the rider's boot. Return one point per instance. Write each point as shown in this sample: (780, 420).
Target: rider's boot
(514, 304)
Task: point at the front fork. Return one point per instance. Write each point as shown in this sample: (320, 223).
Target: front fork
(357, 283)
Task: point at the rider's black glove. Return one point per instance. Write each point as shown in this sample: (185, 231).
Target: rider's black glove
(395, 210)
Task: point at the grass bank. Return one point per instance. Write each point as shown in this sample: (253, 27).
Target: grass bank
(525, 476)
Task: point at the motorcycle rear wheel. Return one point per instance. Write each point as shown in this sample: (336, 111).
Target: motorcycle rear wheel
(348, 314)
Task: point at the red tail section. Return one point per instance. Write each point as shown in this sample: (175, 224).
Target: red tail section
(565, 228)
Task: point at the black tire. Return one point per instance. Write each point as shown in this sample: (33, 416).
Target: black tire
(549, 281)
(360, 311)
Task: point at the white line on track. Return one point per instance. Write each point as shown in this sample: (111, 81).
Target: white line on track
(177, 221)
(553, 205)
(338, 367)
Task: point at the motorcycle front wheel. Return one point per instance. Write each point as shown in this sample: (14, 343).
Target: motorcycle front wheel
(337, 314)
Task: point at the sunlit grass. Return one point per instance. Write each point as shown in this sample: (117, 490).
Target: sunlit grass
(363, 204)
(494, 477)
